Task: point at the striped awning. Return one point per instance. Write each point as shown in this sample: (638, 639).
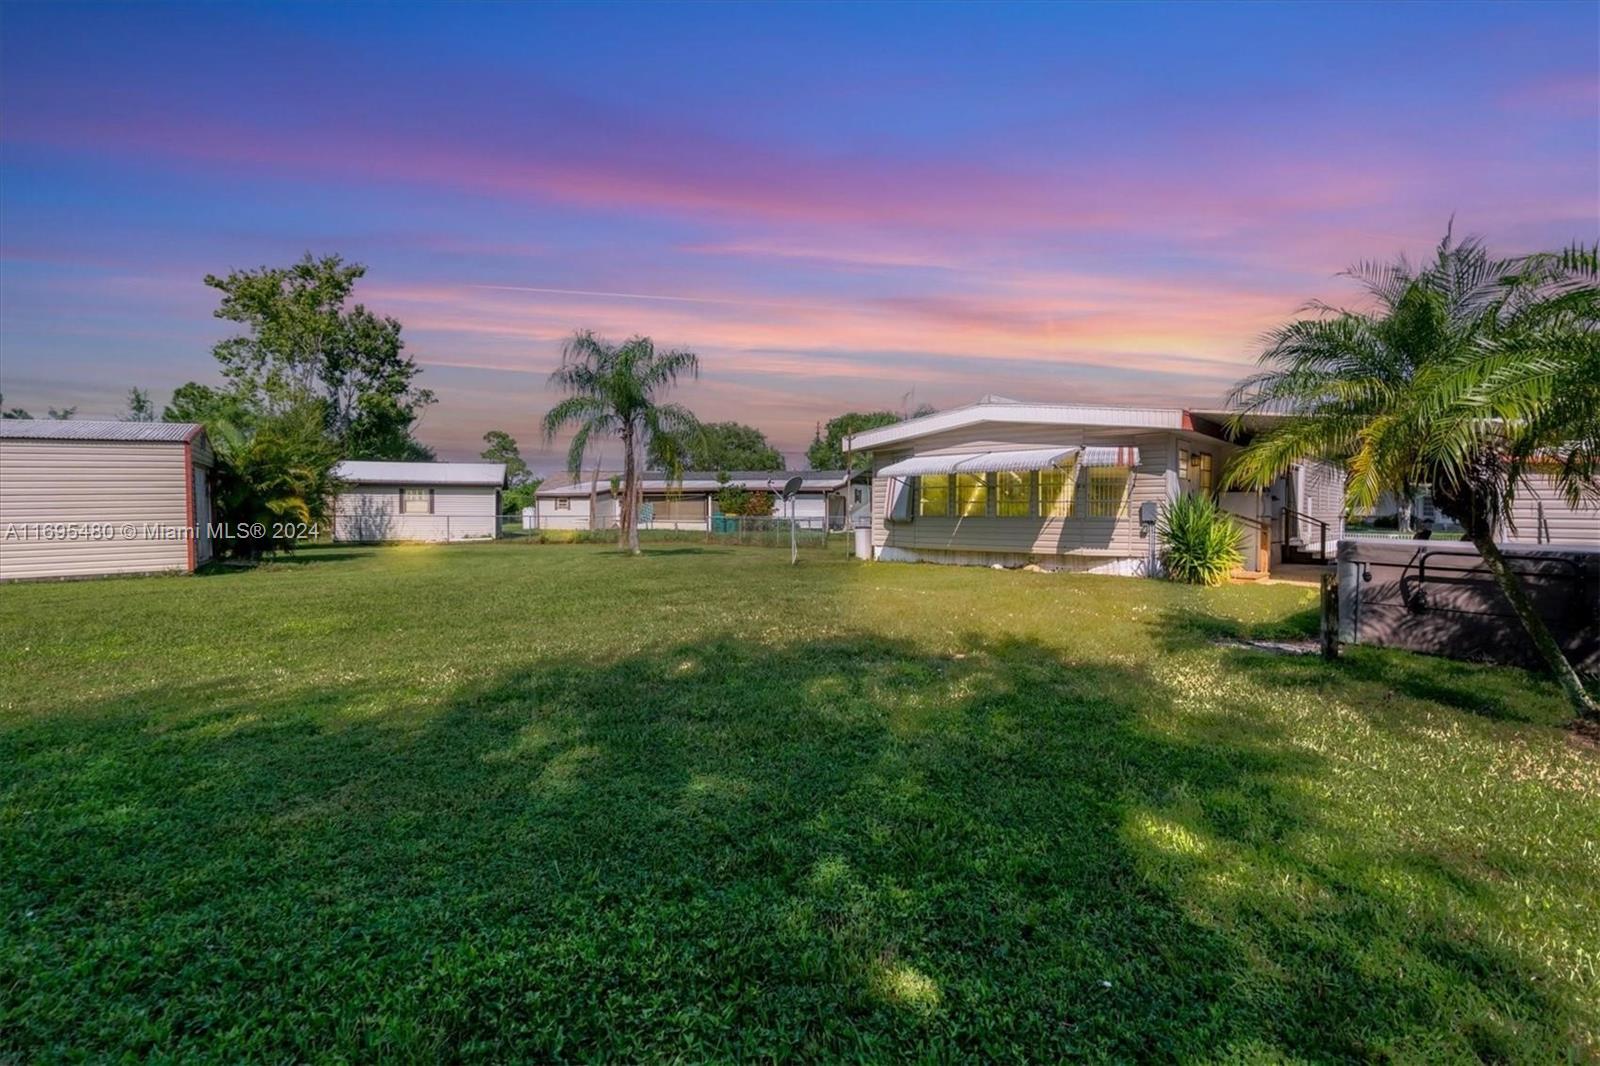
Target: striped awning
(981, 462)
(1106, 456)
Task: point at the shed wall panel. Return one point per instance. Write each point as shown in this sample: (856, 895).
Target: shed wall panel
(118, 484)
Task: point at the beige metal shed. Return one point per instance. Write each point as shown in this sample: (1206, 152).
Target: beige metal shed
(82, 499)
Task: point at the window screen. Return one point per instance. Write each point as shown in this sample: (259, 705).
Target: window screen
(416, 501)
(933, 497)
(972, 495)
(1055, 492)
(677, 510)
(1011, 494)
(1108, 491)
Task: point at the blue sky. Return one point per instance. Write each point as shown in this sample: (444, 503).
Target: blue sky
(837, 207)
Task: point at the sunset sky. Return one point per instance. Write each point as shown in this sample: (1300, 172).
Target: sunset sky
(835, 206)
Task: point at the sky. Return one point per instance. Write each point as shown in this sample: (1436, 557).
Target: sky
(837, 207)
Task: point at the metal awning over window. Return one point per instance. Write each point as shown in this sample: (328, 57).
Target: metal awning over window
(1018, 459)
(1111, 457)
(981, 462)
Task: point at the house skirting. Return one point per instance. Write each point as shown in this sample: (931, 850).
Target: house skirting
(1120, 565)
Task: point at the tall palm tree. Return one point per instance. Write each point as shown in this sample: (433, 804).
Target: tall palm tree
(613, 390)
(1468, 374)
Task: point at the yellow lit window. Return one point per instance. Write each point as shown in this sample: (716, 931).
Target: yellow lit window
(1055, 492)
(1203, 472)
(1011, 494)
(1108, 491)
(933, 499)
(972, 495)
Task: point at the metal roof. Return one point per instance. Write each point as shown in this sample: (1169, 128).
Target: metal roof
(72, 429)
(700, 481)
(375, 472)
(999, 410)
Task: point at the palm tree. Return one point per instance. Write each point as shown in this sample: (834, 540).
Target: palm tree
(612, 390)
(1469, 374)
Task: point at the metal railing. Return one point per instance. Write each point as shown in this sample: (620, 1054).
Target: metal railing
(1295, 520)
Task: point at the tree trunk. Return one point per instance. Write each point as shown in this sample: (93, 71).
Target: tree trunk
(1403, 505)
(627, 537)
(1510, 583)
(637, 494)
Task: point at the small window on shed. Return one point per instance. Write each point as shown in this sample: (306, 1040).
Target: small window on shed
(416, 501)
(563, 503)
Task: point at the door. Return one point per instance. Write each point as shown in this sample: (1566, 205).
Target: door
(1255, 541)
(202, 514)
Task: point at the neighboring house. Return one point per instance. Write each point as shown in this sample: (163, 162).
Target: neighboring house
(81, 499)
(1540, 514)
(689, 502)
(1074, 487)
(384, 501)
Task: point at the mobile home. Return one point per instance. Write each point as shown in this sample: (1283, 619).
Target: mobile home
(688, 502)
(1075, 487)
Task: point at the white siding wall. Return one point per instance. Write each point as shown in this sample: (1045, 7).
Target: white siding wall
(576, 516)
(1543, 516)
(368, 513)
(1047, 539)
(142, 484)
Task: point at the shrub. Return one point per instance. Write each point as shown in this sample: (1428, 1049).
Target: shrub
(736, 501)
(272, 479)
(1199, 540)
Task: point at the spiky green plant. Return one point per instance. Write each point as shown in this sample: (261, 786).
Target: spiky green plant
(1199, 540)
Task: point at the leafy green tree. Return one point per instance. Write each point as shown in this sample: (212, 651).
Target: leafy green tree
(724, 446)
(57, 413)
(502, 448)
(1467, 374)
(194, 402)
(276, 474)
(140, 409)
(303, 341)
(515, 498)
(616, 390)
(827, 446)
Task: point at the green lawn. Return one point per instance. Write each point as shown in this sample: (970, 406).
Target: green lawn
(522, 801)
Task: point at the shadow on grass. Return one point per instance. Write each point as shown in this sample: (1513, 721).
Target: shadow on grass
(1484, 690)
(837, 848)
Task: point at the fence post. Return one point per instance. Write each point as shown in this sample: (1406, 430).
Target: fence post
(1330, 617)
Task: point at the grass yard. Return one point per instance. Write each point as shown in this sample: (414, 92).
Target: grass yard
(542, 802)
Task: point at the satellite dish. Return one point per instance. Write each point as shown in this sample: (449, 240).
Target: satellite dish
(792, 486)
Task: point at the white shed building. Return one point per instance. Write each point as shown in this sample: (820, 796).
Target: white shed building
(384, 501)
(82, 499)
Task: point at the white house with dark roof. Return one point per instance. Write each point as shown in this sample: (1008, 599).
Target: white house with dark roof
(390, 501)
